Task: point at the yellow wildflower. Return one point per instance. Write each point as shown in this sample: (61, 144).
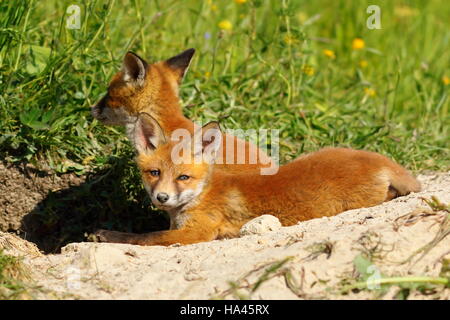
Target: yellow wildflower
(446, 80)
(207, 74)
(87, 160)
(308, 70)
(358, 44)
(405, 11)
(289, 39)
(240, 1)
(363, 63)
(369, 92)
(302, 17)
(213, 7)
(329, 53)
(225, 25)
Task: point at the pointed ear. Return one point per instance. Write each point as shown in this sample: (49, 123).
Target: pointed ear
(134, 68)
(207, 141)
(180, 63)
(148, 134)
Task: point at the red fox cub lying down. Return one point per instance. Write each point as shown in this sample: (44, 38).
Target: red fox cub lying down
(206, 204)
(153, 88)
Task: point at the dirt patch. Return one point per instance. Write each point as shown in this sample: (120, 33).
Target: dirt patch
(23, 187)
(53, 210)
(400, 249)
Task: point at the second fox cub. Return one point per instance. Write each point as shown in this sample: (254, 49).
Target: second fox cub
(153, 88)
(206, 204)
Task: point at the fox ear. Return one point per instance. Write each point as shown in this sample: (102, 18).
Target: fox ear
(134, 68)
(207, 141)
(180, 63)
(148, 134)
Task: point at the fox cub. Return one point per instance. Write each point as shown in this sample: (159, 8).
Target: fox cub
(206, 204)
(153, 88)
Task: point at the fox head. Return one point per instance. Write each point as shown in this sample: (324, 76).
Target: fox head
(139, 86)
(175, 171)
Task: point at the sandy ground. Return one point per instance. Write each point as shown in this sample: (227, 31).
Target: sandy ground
(316, 259)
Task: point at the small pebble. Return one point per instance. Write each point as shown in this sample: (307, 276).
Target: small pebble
(260, 225)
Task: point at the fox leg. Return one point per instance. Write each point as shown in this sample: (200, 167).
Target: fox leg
(158, 238)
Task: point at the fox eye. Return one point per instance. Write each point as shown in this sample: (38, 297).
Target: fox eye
(183, 177)
(155, 173)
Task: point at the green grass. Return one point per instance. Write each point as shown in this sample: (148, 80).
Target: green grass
(372, 280)
(252, 76)
(12, 274)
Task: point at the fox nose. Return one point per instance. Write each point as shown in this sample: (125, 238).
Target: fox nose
(95, 111)
(162, 197)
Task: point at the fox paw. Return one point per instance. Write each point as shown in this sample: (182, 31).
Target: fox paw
(104, 236)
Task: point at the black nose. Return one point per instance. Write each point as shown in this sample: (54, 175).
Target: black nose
(162, 197)
(96, 112)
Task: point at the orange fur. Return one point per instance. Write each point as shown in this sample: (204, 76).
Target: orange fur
(157, 95)
(323, 183)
